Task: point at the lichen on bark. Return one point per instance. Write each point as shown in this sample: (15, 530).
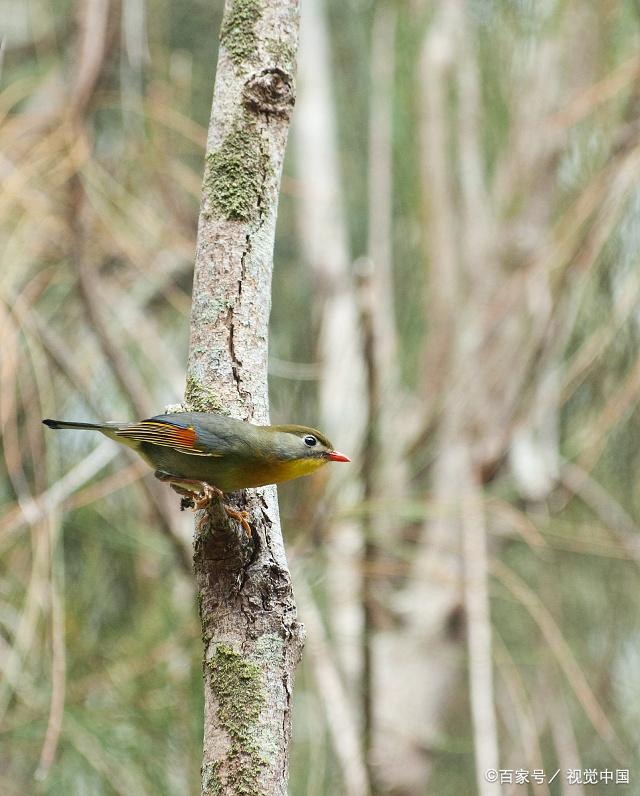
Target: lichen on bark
(238, 33)
(210, 780)
(237, 684)
(202, 399)
(236, 172)
(283, 53)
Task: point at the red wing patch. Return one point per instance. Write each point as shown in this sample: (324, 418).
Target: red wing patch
(166, 434)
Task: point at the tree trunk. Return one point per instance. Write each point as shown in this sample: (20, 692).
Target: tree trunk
(252, 640)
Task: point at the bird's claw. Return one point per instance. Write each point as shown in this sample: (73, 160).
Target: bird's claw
(203, 498)
(241, 516)
(208, 493)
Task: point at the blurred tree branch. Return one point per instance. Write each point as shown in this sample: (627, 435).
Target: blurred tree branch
(92, 46)
(324, 246)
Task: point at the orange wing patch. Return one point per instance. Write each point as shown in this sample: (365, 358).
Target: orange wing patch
(170, 436)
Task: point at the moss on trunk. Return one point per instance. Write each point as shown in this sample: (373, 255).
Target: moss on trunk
(236, 172)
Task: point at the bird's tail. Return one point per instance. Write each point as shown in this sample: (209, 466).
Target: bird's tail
(72, 424)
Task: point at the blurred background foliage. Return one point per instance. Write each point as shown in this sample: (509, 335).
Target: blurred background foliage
(455, 302)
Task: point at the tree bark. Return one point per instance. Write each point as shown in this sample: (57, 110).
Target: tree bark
(252, 640)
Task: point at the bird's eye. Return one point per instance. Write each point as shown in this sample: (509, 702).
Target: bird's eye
(310, 440)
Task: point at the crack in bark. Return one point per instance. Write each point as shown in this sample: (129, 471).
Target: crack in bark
(236, 364)
(243, 259)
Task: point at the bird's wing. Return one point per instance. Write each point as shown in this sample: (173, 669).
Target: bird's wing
(170, 435)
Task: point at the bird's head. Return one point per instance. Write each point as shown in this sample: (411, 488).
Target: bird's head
(301, 450)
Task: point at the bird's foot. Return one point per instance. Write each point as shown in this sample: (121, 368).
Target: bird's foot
(209, 493)
(199, 494)
(206, 495)
(241, 516)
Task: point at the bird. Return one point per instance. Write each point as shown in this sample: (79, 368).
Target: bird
(206, 454)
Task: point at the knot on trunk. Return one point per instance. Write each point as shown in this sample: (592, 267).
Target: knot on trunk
(269, 91)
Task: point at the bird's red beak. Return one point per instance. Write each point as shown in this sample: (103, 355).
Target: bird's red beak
(334, 456)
